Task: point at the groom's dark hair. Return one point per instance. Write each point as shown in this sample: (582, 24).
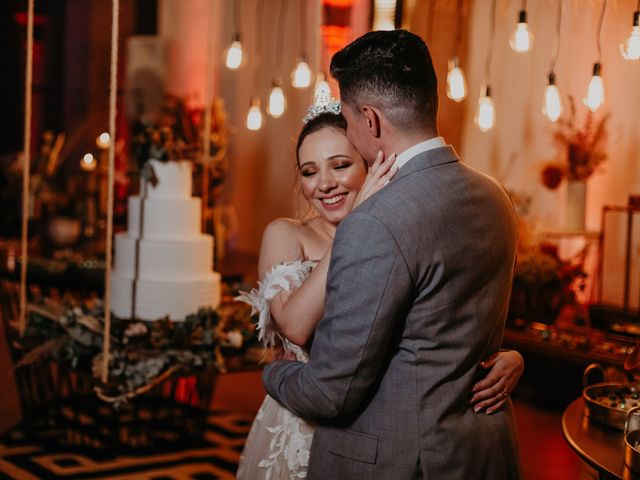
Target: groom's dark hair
(392, 71)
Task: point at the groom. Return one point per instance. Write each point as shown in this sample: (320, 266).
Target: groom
(417, 293)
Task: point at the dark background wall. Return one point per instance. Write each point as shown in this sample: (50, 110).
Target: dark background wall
(72, 41)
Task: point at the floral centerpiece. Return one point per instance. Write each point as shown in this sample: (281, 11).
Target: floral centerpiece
(178, 135)
(543, 284)
(142, 353)
(583, 143)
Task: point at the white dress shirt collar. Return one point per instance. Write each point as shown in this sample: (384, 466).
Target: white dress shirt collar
(409, 153)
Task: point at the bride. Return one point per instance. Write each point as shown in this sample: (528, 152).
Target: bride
(293, 265)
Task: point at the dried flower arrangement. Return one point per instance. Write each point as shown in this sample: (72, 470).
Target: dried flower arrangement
(585, 146)
(143, 353)
(177, 135)
(543, 283)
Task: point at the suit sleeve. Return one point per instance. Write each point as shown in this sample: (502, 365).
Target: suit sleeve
(369, 291)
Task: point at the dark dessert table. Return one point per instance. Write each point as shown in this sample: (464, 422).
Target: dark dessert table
(600, 446)
(82, 269)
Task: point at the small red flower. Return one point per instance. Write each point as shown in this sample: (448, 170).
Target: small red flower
(552, 175)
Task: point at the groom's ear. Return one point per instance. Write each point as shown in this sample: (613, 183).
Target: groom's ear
(372, 119)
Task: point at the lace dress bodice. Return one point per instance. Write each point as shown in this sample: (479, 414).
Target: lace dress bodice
(279, 442)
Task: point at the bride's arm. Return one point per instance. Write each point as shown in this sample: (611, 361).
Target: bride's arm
(296, 313)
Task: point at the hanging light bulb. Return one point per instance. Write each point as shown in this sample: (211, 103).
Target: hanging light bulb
(234, 55)
(301, 75)
(254, 115)
(277, 101)
(630, 50)
(456, 85)
(552, 101)
(521, 39)
(321, 87)
(552, 105)
(485, 115)
(595, 92)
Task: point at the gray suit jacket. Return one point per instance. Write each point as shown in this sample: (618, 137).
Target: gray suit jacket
(417, 296)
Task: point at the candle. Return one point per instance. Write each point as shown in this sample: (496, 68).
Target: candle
(88, 163)
(103, 140)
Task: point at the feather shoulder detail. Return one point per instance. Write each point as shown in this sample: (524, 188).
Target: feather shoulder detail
(284, 277)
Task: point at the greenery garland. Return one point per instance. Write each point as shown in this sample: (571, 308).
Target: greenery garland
(143, 353)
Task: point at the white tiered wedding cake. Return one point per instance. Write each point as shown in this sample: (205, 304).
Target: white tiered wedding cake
(175, 260)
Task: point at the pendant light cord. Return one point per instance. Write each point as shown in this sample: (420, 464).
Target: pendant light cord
(303, 27)
(556, 47)
(492, 32)
(604, 7)
(281, 24)
(430, 14)
(236, 16)
(460, 24)
(257, 31)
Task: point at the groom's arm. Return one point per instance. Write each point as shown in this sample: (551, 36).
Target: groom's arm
(369, 289)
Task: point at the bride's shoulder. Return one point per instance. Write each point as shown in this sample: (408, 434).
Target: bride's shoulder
(292, 227)
(284, 223)
(282, 242)
(282, 233)
(283, 227)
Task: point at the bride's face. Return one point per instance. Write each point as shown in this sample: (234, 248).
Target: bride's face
(331, 172)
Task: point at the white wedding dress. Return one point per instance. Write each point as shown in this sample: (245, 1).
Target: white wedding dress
(278, 444)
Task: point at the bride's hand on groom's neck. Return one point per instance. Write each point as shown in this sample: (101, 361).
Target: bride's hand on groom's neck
(379, 174)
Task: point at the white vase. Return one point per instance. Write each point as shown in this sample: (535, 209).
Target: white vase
(576, 202)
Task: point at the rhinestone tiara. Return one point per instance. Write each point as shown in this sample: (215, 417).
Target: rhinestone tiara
(323, 103)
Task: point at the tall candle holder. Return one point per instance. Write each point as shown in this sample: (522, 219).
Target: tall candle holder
(89, 164)
(103, 141)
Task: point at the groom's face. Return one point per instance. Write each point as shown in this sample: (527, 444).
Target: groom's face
(358, 133)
